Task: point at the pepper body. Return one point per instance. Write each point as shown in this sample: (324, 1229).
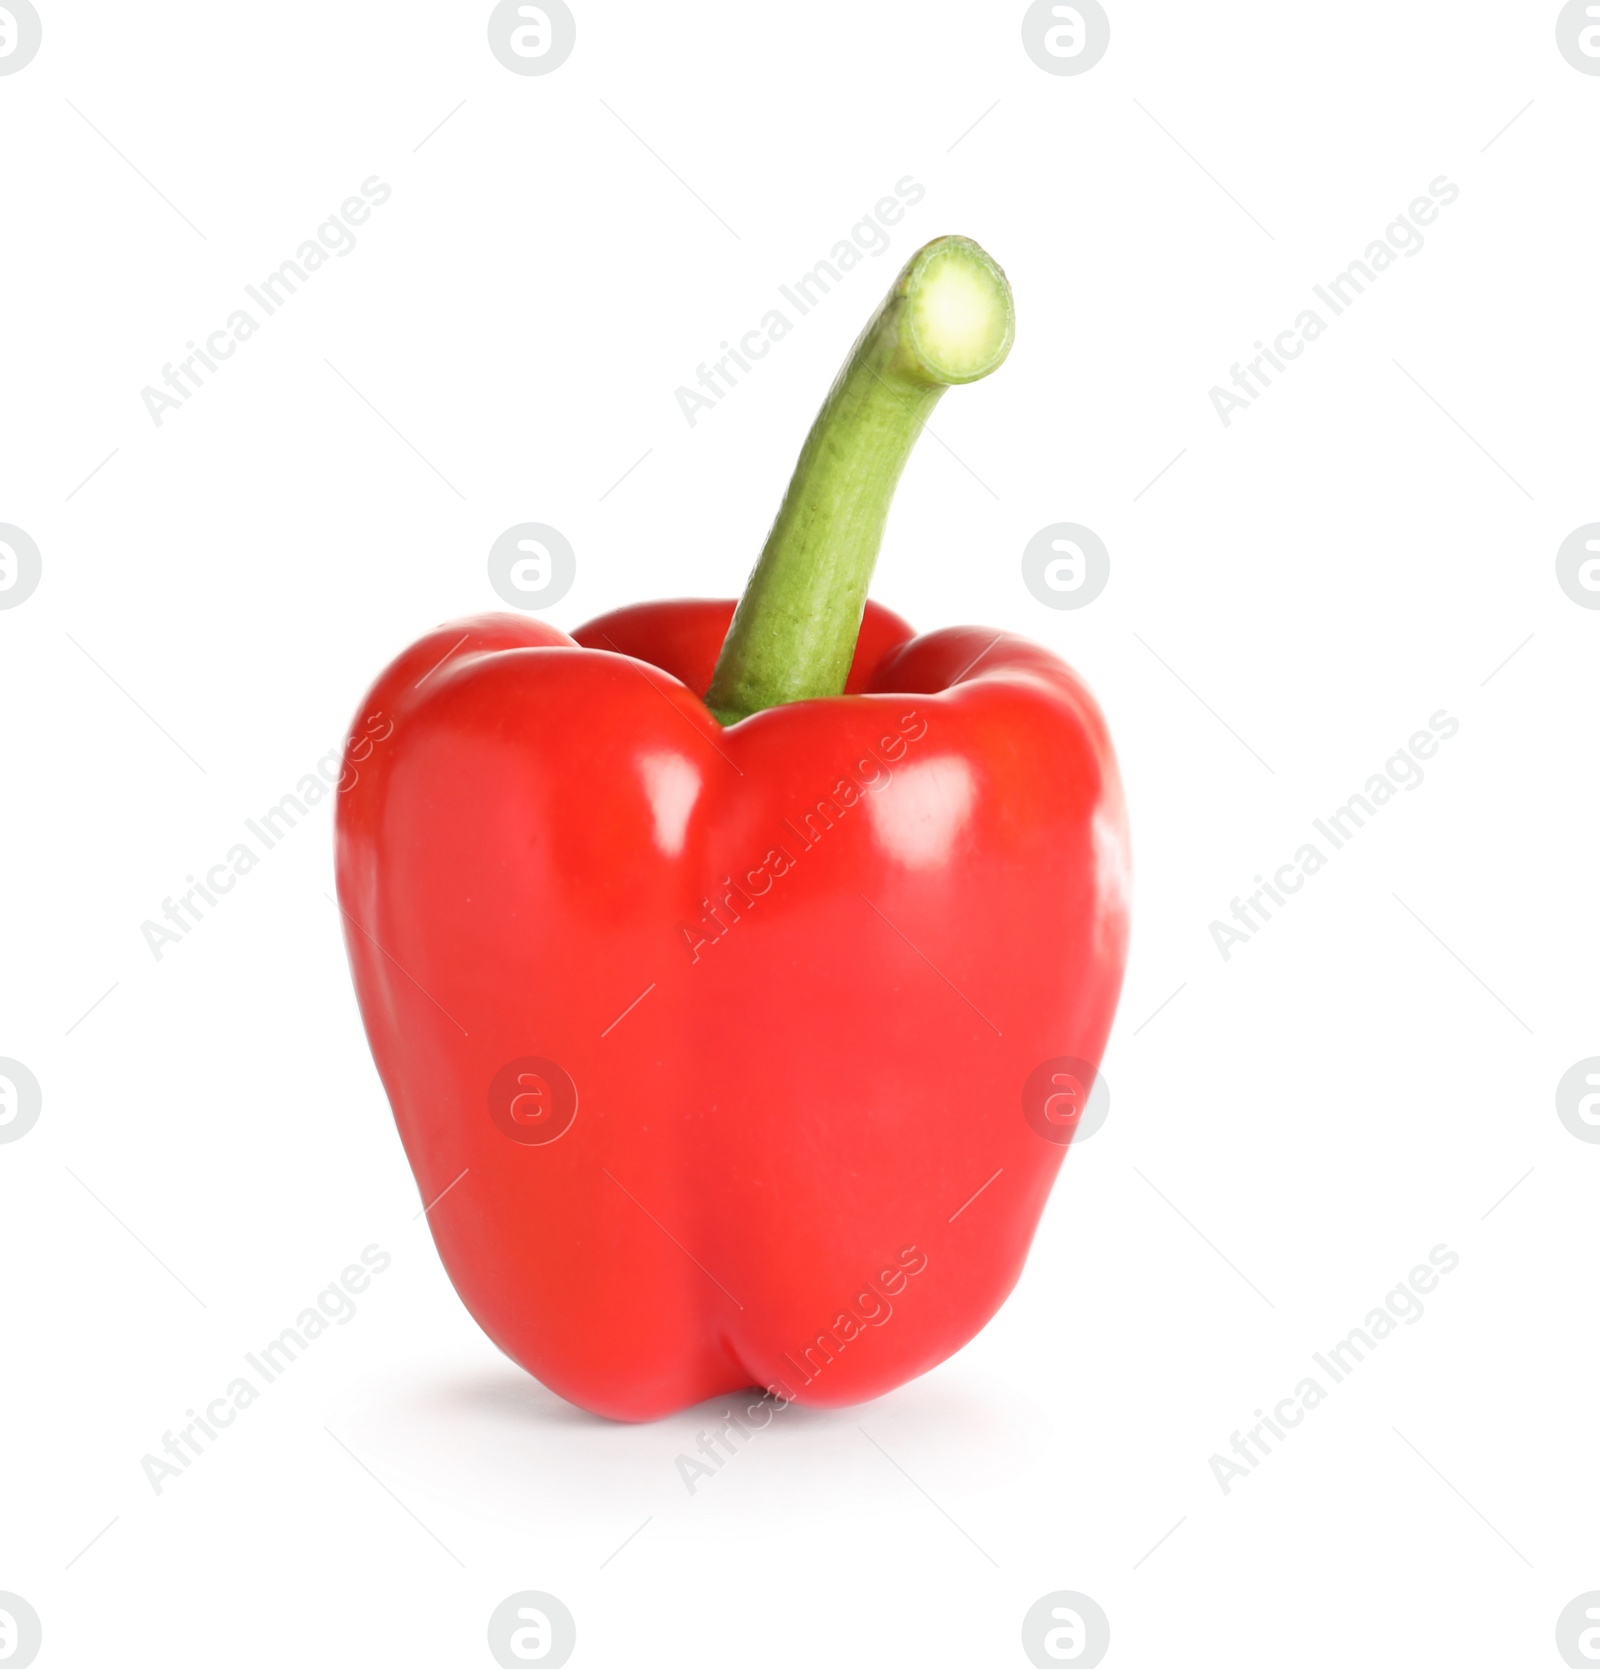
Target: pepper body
(715, 1041)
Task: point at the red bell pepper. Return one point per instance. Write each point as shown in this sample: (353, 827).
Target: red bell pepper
(742, 1033)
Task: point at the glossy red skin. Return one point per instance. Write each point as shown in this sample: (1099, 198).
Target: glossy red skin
(772, 1144)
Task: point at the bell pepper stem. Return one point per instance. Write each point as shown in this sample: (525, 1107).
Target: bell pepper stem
(948, 319)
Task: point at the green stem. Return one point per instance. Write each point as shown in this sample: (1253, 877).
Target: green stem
(947, 320)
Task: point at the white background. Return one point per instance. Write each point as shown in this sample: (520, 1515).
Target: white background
(1288, 1136)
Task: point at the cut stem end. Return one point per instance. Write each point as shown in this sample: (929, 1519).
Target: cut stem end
(959, 319)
